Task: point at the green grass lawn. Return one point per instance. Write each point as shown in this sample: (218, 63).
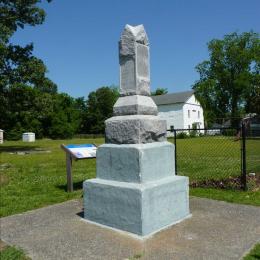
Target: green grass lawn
(13, 253)
(215, 157)
(34, 180)
(254, 254)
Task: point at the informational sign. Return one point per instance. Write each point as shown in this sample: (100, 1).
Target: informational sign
(81, 151)
(77, 152)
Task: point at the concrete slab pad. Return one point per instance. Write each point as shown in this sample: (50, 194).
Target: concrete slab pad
(217, 230)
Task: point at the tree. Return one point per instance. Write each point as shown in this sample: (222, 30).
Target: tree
(20, 115)
(17, 64)
(65, 119)
(159, 91)
(22, 76)
(254, 104)
(99, 107)
(230, 78)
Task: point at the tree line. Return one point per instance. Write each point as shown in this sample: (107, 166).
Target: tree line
(29, 100)
(228, 85)
(54, 115)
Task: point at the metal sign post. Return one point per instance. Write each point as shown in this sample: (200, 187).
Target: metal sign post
(77, 152)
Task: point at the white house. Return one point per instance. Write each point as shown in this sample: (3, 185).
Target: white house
(181, 110)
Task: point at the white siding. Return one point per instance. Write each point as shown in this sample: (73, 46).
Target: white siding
(196, 113)
(173, 114)
(177, 114)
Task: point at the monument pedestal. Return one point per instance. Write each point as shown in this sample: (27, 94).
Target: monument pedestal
(136, 189)
(141, 209)
(135, 162)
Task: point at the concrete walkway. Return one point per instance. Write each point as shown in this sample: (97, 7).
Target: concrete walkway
(217, 230)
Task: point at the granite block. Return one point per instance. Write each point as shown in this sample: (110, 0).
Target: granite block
(141, 209)
(136, 163)
(135, 105)
(134, 129)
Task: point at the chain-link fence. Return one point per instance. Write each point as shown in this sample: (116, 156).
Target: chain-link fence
(219, 158)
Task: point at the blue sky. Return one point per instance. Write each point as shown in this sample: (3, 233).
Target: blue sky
(78, 41)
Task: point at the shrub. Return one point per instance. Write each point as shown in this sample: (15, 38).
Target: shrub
(229, 132)
(182, 135)
(193, 133)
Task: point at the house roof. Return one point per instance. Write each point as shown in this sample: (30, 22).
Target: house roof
(180, 97)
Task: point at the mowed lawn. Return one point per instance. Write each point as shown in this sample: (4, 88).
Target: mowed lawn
(33, 175)
(212, 157)
(215, 157)
(38, 179)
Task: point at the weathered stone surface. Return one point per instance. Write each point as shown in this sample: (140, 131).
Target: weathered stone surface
(135, 162)
(135, 105)
(134, 61)
(135, 129)
(129, 36)
(137, 208)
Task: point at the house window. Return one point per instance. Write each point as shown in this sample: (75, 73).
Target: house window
(198, 114)
(188, 113)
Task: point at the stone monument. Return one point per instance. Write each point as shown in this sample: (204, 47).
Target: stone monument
(136, 189)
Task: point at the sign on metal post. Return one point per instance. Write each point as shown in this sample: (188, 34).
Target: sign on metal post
(77, 152)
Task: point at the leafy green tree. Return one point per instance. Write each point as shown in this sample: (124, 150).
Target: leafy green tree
(22, 76)
(255, 103)
(17, 64)
(28, 99)
(15, 14)
(159, 91)
(20, 115)
(81, 107)
(99, 108)
(64, 120)
(230, 78)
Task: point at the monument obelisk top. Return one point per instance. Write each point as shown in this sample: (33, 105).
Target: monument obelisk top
(134, 74)
(134, 61)
(135, 33)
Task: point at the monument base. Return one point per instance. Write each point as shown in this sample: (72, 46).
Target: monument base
(141, 209)
(137, 163)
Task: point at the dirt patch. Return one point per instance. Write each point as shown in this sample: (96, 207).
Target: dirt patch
(4, 180)
(3, 245)
(253, 183)
(34, 151)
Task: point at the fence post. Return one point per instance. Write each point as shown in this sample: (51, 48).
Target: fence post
(243, 173)
(175, 152)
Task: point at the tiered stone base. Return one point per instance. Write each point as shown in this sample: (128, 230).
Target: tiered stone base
(138, 204)
(141, 209)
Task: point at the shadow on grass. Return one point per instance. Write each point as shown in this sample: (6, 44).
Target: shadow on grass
(13, 148)
(76, 186)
